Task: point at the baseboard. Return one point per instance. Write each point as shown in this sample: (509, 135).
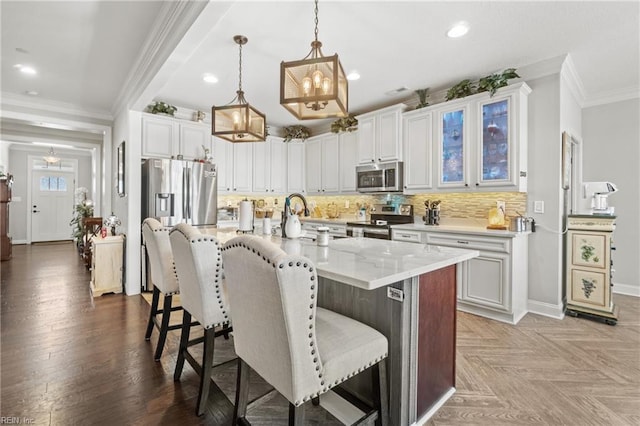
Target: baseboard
(422, 420)
(15, 242)
(546, 309)
(626, 289)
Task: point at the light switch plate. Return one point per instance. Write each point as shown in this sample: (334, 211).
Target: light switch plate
(395, 294)
(538, 206)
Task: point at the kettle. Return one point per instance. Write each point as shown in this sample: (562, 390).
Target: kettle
(293, 227)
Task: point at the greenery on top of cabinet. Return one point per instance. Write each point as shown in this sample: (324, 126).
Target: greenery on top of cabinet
(490, 83)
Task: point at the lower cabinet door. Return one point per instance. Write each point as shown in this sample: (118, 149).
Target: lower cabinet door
(485, 281)
(589, 288)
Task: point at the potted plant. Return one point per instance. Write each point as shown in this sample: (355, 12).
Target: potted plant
(162, 108)
(422, 98)
(82, 210)
(493, 82)
(465, 88)
(345, 124)
(296, 132)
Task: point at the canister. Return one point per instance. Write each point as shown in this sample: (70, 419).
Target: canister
(323, 236)
(518, 224)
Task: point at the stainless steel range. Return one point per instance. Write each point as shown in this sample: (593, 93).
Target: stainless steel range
(382, 217)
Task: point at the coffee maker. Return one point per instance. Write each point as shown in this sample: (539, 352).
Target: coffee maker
(597, 193)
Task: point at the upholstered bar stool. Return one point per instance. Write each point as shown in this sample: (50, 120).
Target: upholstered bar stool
(199, 268)
(302, 350)
(164, 279)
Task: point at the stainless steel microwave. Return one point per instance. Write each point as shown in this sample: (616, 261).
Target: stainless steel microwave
(380, 177)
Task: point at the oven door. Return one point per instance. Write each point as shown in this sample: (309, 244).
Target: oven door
(377, 232)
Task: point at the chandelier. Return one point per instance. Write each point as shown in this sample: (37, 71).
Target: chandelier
(316, 86)
(238, 121)
(51, 157)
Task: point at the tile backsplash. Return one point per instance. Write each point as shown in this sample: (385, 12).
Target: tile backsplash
(453, 205)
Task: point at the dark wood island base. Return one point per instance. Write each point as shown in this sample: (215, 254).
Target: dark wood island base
(421, 329)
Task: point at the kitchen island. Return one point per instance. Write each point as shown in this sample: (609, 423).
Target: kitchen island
(407, 292)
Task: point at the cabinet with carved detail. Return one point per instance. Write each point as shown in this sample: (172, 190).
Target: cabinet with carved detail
(589, 267)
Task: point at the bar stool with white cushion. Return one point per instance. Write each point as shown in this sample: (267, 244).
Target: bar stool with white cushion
(302, 350)
(164, 279)
(199, 268)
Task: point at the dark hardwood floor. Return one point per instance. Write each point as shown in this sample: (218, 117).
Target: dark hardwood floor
(69, 359)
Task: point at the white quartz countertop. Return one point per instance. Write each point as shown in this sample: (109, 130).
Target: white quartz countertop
(365, 262)
(339, 220)
(460, 229)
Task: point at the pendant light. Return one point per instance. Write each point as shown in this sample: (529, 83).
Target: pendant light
(51, 158)
(238, 121)
(316, 86)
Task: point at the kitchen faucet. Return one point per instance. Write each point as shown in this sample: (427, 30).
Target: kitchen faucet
(287, 210)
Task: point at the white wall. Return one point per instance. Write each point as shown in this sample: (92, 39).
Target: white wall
(545, 245)
(18, 166)
(611, 152)
(4, 156)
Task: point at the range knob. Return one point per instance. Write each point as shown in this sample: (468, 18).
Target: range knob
(404, 209)
(373, 209)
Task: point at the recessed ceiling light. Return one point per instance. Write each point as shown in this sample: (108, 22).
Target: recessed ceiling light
(353, 76)
(210, 78)
(26, 69)
(458, 30)
(32, 93)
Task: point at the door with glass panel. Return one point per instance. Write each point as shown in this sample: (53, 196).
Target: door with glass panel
(496, 156)
(51, 205)
(453, 148)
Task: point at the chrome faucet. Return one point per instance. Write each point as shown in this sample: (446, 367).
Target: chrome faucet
(287, 210)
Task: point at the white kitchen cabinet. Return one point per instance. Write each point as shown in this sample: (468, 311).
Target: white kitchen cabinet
(348, 161)
(269, 166)
(335, 229)
(223, 159)
(106, 265)
(417, 135)
(243, 167)
(322, 154)
(379, 135)
(295, 167)
(481, 141)
(167, 137)
(494, 284)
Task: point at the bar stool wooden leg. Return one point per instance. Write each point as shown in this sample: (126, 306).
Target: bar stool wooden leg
(296, 415)
(154, 311)
(242, 394)
(164, 326)
(207, 368)
(380, 394)
(184, 342)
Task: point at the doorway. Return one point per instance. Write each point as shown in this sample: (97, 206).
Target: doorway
(52, 200)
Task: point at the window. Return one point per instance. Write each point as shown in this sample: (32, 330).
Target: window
(53, 183)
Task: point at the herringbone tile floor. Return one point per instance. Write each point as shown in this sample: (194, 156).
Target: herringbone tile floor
(547, 372)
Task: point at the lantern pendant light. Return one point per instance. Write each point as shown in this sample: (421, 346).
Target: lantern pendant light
(238, 121)
(316, 86)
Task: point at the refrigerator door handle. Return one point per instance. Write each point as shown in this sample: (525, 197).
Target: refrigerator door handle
(188, 170)
(184, 193)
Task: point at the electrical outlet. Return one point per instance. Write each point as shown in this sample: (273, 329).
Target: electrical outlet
(538, 206)
(500, 205)
(346, 204)
(395, 294)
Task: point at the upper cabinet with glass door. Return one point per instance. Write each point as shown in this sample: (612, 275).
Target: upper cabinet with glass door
(482, 141)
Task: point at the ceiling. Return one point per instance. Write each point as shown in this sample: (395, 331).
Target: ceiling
(86, 51)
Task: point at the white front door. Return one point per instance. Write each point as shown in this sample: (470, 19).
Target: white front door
(51, 210)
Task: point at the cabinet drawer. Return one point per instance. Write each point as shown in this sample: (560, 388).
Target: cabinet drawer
(409, 236)
(502, 245)
(337, 230)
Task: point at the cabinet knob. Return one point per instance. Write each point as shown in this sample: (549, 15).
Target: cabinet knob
(466, 184)
(373, 161)
(379, 159)
(477, 184)
(323, 190)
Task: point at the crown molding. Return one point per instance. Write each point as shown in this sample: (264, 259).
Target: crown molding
(22, 103)
(571, 77)
(612, 96)
(175, 19)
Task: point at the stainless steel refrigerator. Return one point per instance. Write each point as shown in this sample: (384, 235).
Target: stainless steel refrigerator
(177, 191)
